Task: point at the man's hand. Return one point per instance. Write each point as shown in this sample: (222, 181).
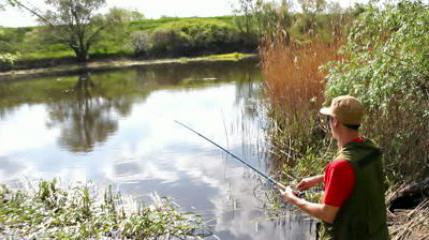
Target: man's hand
(309, 182)
(321, 211)
(288, 195)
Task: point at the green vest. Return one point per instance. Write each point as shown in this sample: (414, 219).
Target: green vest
(363, 215)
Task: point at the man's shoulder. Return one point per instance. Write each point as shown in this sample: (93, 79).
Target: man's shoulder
(340, 164)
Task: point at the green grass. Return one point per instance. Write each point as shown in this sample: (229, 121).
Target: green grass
(235, 56)
(78, 212)
(26, 42)
(152, 24)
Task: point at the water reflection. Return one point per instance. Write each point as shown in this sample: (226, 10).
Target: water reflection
(11, 166)
(116, 128)
(86, 118)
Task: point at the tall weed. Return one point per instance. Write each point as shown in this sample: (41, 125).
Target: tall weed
(294, 87)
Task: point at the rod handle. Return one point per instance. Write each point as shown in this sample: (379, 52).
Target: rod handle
(280, 186)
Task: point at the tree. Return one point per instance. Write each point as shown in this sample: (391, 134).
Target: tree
(74, 23)
(88, 118)
(312, 6)
(119, 30)
(310, 9)
(245, 9)
(257, 18)
(4, 3)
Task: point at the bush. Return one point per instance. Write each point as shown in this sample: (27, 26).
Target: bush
(169, 42)
(190, 37)
(141, 42)
(386, 66)
(8, 58)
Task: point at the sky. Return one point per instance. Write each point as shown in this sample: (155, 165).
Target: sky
(13, 17)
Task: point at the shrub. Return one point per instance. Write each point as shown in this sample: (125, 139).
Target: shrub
(140, 41)
(8, 58)
(386, 66)
(190, 37)
(169, 42)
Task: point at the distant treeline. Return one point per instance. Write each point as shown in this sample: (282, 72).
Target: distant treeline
(165, 37)
(156, 38)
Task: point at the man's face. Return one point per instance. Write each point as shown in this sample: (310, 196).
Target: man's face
(333, 123)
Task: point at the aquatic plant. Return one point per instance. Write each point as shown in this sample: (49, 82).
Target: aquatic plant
(54, 212)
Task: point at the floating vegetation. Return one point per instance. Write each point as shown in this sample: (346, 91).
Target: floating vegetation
(54, 212)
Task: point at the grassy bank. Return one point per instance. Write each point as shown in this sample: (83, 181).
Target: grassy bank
(35, 47)
(54, 212)
(147, 38)
(102, 65)
(29, 43)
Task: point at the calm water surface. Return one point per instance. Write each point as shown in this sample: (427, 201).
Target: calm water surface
(118, 128)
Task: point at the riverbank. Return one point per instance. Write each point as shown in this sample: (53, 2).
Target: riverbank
(109, 64)
(373, 63)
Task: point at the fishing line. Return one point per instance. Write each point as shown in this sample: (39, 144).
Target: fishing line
(271, 180)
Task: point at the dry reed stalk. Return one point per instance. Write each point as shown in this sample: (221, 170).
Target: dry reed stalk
(412, 224)
(294, 86)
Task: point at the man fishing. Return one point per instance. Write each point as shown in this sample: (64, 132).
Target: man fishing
(352, 206)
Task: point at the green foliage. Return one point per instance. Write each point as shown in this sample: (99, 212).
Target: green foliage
(8, 58)
(151, 24)
(115, 41)
(77, 25)
(312, 6)
(386, 65)
(256, 19)
(53, 212)
(264, 21)
(187, 37)
(132, 35)
(141, 42)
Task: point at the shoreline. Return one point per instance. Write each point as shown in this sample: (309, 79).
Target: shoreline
(104, 65)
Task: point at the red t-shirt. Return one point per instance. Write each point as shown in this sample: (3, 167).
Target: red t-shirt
(339, 181)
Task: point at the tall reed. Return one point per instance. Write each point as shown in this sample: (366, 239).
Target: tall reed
(294, 88)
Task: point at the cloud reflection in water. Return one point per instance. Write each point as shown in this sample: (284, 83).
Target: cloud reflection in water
(144, 151)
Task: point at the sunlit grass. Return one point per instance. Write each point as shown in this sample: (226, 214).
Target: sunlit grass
(235, 56)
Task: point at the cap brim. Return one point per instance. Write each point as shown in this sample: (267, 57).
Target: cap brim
(326, 111)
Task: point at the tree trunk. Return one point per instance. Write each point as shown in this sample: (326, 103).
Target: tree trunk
(82, 55)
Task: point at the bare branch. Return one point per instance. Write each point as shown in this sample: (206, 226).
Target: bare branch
(35, 12)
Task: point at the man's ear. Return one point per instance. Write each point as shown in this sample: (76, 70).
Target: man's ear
(335, 122)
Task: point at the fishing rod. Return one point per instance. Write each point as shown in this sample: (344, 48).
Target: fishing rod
(270, 179)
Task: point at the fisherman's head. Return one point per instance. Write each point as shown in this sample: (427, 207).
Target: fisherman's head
(344, 115)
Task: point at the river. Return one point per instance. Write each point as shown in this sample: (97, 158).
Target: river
(117, 128)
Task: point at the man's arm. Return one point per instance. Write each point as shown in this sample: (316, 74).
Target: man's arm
(309, 182)
(321, 211)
